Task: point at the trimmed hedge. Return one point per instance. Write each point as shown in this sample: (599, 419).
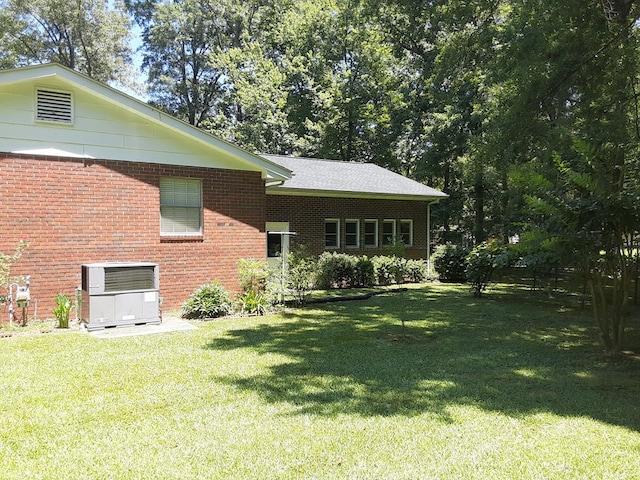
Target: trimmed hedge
(340, 270)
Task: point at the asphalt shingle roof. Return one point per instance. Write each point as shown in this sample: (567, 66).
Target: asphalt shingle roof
(319, 175)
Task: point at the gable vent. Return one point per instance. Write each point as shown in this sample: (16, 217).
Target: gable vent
(54, 106)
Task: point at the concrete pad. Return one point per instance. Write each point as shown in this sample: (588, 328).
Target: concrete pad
(169, 324)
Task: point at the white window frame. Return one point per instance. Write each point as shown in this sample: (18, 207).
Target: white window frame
(180, 197)
(407, 221)
(374, 222)
(347, 222)
(388, 221)
(336, 222)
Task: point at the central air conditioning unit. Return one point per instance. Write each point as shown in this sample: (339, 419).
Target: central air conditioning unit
(120, 294)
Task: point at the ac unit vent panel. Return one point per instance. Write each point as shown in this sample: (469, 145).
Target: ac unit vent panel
(117, 279)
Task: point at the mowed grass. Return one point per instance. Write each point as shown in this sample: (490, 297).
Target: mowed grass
(508, 386)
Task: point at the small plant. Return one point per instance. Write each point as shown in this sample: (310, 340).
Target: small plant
(209, 301)
(62, 312)
(252, 302)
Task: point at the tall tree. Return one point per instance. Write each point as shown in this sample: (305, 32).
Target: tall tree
(568, 103)
(85, 35)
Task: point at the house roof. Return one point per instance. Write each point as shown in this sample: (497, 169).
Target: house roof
(319, 177)
(56, 74)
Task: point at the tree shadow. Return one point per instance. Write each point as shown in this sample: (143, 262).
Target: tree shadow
(496, 354)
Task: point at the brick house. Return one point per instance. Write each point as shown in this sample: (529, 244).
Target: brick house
(357, 208)
(89, 174)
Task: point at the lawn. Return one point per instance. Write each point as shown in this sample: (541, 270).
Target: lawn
(508, 386)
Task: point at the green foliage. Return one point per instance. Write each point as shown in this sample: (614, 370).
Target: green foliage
(253, 302)
(415, 271)
(7, 261)
(364, 272)
(253, 276)
(450, 262)
(209, 301)
(62, 310)
(483, 261)
(301, 273)
(389, 269)
(335, 270)
(89, 36)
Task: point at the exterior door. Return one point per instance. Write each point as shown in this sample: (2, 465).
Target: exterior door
(277, 243)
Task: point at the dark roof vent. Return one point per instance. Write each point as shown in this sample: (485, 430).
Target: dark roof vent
(54, 106)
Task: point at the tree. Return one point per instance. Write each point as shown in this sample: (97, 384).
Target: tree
(570, 92)
(85, 35)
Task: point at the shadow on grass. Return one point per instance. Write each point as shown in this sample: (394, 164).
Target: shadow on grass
(498, 354)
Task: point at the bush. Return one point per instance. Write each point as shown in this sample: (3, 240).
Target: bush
(301, 273)
(483, 262)
(253, 276)
(253, 302)
(209, 301)
(335, 270)
(450, 262)
(388, 269)
(364, 273)
(415, 271)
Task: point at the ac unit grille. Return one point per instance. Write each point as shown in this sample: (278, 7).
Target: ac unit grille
(129, 278)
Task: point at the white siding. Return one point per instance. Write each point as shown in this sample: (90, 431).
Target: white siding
(101, 129)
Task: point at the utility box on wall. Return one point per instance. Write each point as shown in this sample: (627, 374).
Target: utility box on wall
(118, 294)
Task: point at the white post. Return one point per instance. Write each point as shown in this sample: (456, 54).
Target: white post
(428, 240)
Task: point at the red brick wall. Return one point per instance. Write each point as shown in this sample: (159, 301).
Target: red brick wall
(306, 216)
(75, 211)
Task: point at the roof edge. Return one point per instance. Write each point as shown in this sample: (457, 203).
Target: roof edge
(272, 170)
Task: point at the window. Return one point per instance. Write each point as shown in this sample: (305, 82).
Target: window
(388, 232)
(352, 233)
(371, 233)
(180, 206)
(54, 106)
(406, 232)
(332, 233)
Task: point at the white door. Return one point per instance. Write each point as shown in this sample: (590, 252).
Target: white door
(277, 243)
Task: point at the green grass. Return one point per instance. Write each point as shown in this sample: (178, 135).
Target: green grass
(501, 387)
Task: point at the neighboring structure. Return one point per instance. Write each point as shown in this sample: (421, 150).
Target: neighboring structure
(357, 208)
(88, 174)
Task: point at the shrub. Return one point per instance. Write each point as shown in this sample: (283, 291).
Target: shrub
(450, 262)
(253, 302)
(482, 263)
(385, 268)
(415, 271)
(364, 273)
(301, 273)
(335, 270)
(208, 301)
(253, 276)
